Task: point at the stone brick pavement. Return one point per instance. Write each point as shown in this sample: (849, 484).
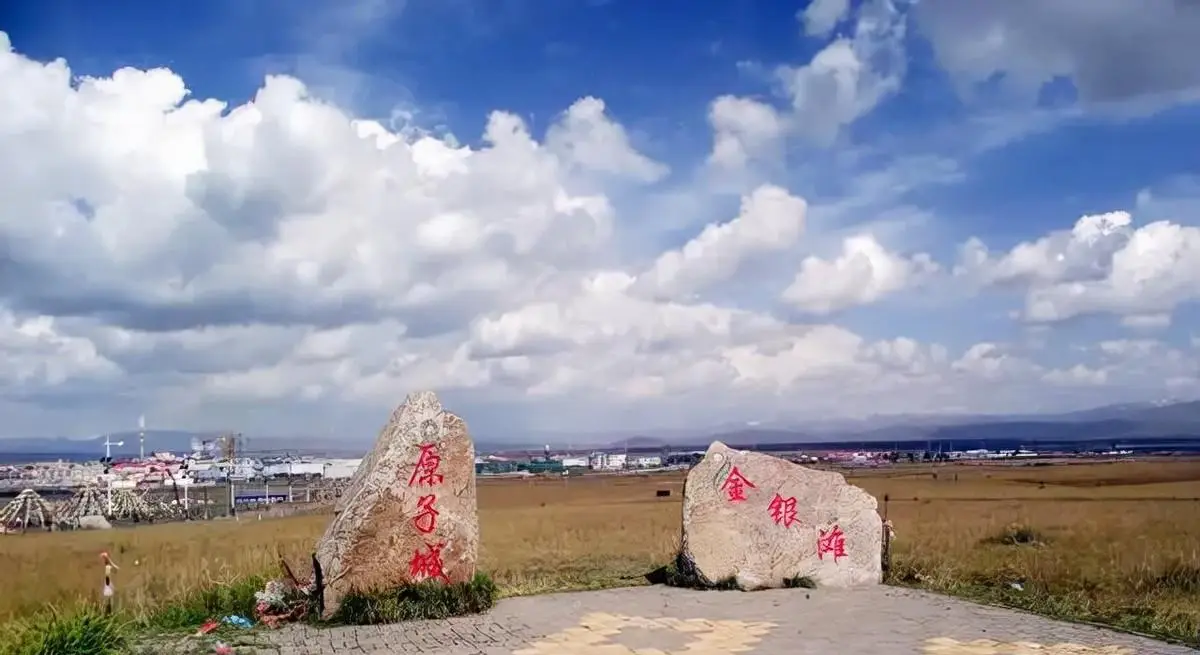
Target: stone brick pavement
(664, 621)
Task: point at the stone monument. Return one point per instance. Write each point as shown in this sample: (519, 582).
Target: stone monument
(409, 512)
(762, 521)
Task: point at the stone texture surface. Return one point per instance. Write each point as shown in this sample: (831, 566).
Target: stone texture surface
(872, 620)
(761, 520)
(409, 512)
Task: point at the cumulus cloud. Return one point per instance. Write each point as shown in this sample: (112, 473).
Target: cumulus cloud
(821, 16)
(743, 129)
(268, 263)
(1102, 265)
(37, 356)
(849, 77)
(843, 82)
(770, 220)
(587, 138)
(1120, 58)
(863, 273)
(1076, 375)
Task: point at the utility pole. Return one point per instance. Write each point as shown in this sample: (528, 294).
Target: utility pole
(231, 459)
(108, 444)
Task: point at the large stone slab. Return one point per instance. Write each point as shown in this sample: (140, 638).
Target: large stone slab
(762, 520)
(409, 512)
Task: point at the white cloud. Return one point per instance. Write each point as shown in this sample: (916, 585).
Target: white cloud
(587, 138)
(849, 77)
(1148, 368)
(36, 356)
(992, 361)
(821, 16)
(1128, 348)
(281, 261)
(1077, 375)
(843, 82)
(863, 273)
(743, 129)
(1101, 266)
(770, 220)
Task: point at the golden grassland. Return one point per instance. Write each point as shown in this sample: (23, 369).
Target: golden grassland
(1112, 542)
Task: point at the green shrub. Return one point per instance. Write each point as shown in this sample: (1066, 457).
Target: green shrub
(681, 573)
(87, 631)
(425, 600)
(209, 603)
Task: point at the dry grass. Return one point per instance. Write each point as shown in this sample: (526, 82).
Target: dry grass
(1111, 542)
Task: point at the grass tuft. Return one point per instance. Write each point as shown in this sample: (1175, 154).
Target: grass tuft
(680, 573)
(425, 600)
(1177, 576)
(234, 597)
(1016, 534)
(85, 631)
(800, 582)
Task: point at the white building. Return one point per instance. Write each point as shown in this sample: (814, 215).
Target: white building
(294, 469)
(607, 461)
(337, 469)
(647, 461)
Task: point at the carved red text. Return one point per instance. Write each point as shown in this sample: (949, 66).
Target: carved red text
(425, 473)
(832, 542)
(735, 485)
(783, 510)
(428, 565)
(426, 518)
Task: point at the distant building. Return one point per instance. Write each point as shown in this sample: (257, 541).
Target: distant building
(647, 461)
(600, 461)
(543, 466)
(494, 467)
(340, 469)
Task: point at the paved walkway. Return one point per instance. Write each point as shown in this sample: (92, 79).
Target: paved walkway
(665, 621)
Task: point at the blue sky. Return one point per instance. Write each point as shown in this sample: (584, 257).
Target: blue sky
(657, 65)
(948, 122)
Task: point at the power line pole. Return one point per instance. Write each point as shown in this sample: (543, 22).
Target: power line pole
(230, 461)
(108, 444)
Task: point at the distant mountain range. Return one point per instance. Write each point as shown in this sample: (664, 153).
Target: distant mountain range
(1111, 423)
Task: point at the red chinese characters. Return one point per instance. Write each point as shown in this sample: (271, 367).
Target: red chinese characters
(425, 473)
(428, 565)
(783, 510)
(426, 519)
(735, 485)
(831, 542)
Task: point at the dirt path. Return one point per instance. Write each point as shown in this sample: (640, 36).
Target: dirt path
(664, 621)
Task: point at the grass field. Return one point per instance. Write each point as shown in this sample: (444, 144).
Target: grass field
(1117, 543)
